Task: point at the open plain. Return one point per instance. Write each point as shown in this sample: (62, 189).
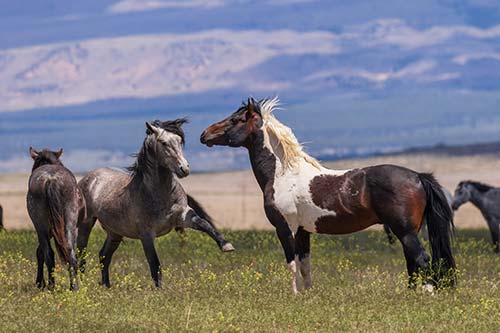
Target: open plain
(359, 280)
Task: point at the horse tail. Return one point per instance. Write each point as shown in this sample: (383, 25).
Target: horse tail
(57, 224)
(439, 218)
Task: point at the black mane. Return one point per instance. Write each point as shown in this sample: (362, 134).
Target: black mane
(172, 126)
(481, 187)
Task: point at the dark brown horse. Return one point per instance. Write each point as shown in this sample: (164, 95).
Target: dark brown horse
(55, 206)
(302, 197)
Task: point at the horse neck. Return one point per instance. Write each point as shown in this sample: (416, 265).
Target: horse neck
(152, 177)
(476, 198)
(263, 160)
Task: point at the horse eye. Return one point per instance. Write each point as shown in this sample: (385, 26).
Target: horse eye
(234, 121)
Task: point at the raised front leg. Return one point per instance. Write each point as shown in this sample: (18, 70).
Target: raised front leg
(110, 245)
(193, 221)
(154, 263)
(303, 255)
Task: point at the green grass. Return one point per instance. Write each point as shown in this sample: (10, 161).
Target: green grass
(359, 285)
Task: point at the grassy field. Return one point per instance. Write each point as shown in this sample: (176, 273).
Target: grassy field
(359, 285)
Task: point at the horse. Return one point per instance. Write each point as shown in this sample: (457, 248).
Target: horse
(1, 218)
(303, 197)
(390, 235)
(144, 204)
(55, 206)
(487, 199)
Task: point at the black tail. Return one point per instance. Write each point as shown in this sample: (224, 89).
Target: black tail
(439, 218)
(57, 224)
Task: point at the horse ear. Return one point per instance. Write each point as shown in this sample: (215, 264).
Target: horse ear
(59, 153)
(151, 129)
(33, 153)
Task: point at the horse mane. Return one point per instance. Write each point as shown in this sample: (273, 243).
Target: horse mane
(481, 187)
(142, 158)
(293, 151)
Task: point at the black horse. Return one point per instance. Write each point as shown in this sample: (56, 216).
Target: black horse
(56, 206)
(487, 199)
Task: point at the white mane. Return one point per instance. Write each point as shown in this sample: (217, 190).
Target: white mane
(292, 150)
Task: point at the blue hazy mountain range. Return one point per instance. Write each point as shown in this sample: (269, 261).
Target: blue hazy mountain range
(355, 77)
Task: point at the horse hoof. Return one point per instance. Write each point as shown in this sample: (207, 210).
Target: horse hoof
(428, 288)
(228, 247)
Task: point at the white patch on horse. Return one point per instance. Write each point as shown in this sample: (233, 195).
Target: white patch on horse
(293, 173)
(292, 266)
(292, 195)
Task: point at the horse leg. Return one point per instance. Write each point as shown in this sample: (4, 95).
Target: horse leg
(106, 253)
(40, 281)
(390, 235)
(82, 240)
(73, 262)
(148, 245)
(193, 221)
(417, 259)
(48, 253)
(302, 255)
(495, 233)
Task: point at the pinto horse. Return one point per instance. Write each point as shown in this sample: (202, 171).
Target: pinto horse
(147, 203)
(55, 206)
(302, 197)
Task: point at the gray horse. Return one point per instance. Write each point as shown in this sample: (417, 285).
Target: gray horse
(147, 203)
(55, 206)
(487, 199)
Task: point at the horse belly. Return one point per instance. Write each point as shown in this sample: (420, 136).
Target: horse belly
(343, 224)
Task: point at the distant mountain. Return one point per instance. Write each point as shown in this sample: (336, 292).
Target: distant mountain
(357, 77)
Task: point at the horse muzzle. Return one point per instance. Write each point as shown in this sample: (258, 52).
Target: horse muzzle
(182, 171)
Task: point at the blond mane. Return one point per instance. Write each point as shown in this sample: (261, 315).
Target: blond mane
(293, 151)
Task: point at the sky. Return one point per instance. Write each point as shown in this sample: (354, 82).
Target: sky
(354, 77)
